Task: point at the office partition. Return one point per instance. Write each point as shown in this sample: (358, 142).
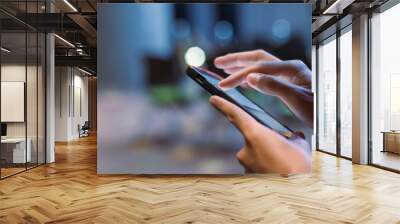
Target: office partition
(22, 88)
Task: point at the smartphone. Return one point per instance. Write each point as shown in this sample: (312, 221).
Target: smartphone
(209, 81)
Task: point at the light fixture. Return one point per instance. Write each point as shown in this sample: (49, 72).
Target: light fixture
(329, 9)
(5, 50)
(338, 6)
(65, 41)
(70, 5)
(84, 71)
(195, 56)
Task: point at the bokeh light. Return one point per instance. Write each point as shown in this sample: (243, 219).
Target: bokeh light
(223, 30)
(195, 56)
(182, 28)
(281, 30)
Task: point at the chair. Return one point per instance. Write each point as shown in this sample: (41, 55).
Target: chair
(84, 130)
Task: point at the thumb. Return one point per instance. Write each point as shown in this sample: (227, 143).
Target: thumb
(244, 160)
(268, 84)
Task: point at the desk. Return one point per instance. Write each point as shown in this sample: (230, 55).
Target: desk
(16, 151)
(391, 141)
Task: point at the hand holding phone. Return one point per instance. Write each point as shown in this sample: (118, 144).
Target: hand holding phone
(265, 151)
(209, 81)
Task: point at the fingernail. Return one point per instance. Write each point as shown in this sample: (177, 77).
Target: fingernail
(213, 100)
(220, 85)
(216, 63)
(253, 78)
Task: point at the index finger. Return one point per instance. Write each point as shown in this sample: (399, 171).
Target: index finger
(243, 59)
(284, 68)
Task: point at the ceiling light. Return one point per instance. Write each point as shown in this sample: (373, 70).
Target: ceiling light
(84, 71)
(338, 6)
(65, 41)
(329, 9)
(5, 50)
(70, 5)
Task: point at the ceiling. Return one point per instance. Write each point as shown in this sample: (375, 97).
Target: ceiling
(76, 22)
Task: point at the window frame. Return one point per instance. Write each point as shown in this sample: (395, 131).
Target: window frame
(333, 37)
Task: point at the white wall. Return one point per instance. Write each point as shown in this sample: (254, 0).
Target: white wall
(33, 127)
(62, 81)
(17, 73)
(70, 84)
(79, 117)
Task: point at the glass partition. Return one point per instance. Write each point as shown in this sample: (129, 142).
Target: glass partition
(41, 96)
(14, 153)
(31, 99)
(22, 101)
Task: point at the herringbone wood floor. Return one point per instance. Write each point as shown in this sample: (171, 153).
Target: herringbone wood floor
(69, 191)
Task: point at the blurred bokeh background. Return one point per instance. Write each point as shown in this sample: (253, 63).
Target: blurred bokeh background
(152, 117)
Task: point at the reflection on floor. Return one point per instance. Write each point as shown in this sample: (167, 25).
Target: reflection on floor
(387, 159)
(10, 171)
(70, 191)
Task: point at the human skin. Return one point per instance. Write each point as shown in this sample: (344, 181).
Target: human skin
(290, 81)
(266, 151)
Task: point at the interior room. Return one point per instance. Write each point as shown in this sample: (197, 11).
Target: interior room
(22, 99)
(70, 153)
(385, 72)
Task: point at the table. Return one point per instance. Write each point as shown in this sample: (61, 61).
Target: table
(391, 141)
(17, 149)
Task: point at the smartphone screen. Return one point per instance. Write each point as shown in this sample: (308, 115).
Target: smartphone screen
(237, 97)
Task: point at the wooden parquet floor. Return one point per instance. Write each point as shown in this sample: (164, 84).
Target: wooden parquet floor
(70, 191)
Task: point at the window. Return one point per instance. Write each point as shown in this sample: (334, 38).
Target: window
(327, 96)
(385, 89)
(346, 92)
